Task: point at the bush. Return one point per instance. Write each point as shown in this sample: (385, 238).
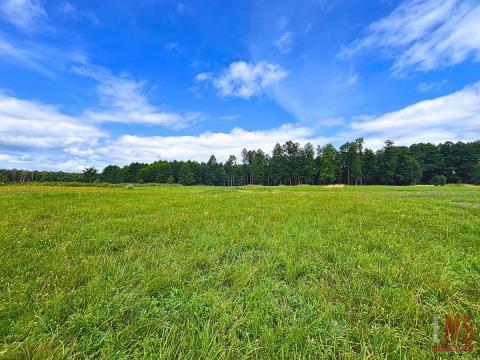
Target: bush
(439, 180)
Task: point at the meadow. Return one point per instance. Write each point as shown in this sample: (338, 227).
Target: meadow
(167, 272)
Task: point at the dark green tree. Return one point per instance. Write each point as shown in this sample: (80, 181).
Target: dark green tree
(111, 174)
(328, 161)
(408, 170)
(370, 168)
(476, 174)
(215, 173)
(430, 160)
(308, 169)
(230, 167)
(277, 166)
(131, 172)
(351, 161)
(259, 167)
(291, 151)
(387, 163)
(90, 174)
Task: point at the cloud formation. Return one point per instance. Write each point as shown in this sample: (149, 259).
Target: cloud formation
(27, 15)
(71, 12)
(424, 35)
(26, 124)
(122, 100)
(40, 136)
(130, 148)
(44, 59)
(284, 42)
(452, 117)
(244, 80)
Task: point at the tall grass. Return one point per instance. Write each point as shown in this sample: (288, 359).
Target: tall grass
(171, 272)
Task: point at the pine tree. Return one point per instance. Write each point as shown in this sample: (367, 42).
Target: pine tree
(186, 174)
(308, 164)
(277, 165)
(328, 164)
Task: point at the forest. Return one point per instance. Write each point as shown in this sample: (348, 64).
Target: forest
(292, 164)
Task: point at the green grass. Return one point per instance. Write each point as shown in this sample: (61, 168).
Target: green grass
(204, 272)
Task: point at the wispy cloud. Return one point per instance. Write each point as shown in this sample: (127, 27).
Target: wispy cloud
(433, 86)
(122, 99)
(424, 34)
(27, 15)
(41, 58)
(284, 42)
(171, 46)
(229, 117)
(244, 80)
(71, 12)
(24, 57)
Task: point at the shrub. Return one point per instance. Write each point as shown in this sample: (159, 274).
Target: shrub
(439, 180)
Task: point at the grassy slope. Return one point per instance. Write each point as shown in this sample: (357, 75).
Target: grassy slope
(198, 272)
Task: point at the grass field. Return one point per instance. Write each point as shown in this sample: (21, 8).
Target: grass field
(257, 272)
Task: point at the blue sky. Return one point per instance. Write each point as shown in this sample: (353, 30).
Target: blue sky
(96, 82)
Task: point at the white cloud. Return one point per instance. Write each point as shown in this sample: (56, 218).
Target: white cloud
(244, 80)
(171, 46)
(68, 9)
(34, 135)
(431, 86)
(22, 56)
(336, 121)
(284, 43)
(39, 136)
(123, 100)
(26, 124)
(452, 117)
(37, 57)
(70, 12)
(14, 160)
(27, 15)
(202, 76)
(56, 162)
(229, 117)
(425, 34)
(130, 148)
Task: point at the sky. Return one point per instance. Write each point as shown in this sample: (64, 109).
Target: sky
(92, 83)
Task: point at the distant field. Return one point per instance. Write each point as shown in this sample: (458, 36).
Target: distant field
(256, 272)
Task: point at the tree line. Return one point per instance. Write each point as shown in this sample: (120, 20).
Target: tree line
(292, 164)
